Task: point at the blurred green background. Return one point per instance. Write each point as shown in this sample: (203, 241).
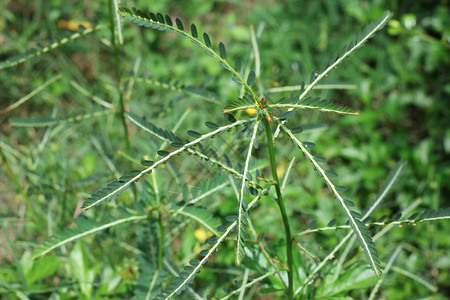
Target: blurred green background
(403, 92)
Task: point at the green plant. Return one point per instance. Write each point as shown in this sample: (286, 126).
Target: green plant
(156, 211)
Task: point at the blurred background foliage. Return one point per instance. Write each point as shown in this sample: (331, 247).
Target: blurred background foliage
(403, 92)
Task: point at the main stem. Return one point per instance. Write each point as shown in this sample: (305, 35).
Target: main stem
(118, 74)
(161, 241)
(287, 228)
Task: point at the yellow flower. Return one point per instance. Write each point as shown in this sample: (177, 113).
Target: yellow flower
(72, 24)
(201, 235)
(251, 111)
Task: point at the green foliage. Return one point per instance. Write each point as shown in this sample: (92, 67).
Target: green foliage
(354, 217)
(42, 49)
(196, 214)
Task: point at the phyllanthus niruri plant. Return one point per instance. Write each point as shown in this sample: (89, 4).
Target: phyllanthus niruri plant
(258, 131)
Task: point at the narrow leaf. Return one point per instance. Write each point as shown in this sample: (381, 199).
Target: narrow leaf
(84, 228)
(194, 31)
(354, 218)
(194, 133)
(238, 64)
(207, 40)
(222, 51)
(251, 78)
(179, 24)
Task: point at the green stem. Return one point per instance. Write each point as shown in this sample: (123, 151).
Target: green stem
(118, 74)
(119, 85)
(161, 241)
(287, 228)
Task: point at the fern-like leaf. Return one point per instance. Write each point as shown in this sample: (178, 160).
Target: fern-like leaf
(344, 240)
(150, 20)
(425, 216)
(176, 87)
(200, 215)
(357, 42)
(242, 205)
(84, 228)
(433, 215)
(388, 185)
(318, 104)
(15, 60)
(43, 122)
(169, 136)
(208, 188)
(150, 280)
(248, 285)
(174, 272)
(116, 187)
(180, 283)
(359, 228)
(243, 103)
(30, 95)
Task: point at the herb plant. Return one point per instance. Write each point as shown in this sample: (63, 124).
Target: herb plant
(255, 125)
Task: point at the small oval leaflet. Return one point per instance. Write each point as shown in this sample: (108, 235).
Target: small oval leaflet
(308, 145)
(251, 78)
(134, 172)
(297, 130)
(331, 223)
(125, 178)
(194, 133)
(235, 79)
(231, 218)
(222, 51)
(320, 159)
(194, 31)
(313, 74)
(324, 66)
(413, 216)
(207, 40)
(146, 163)
(212, 241)
(313, 224)
(169, 20)
(355, 214)
(331, 173)
(163, 153)
(188, 269)
(194, 262)
(152, 17)
(230, 118)
(397, 216)
(211, 125)
(253, 191)
(341, 188)
(177, 145)
(221, 228)
(238, 64)
(349, 203)
(179, 24)
(160, 18)
(286, 115)
(223, 66)
(380, 220)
